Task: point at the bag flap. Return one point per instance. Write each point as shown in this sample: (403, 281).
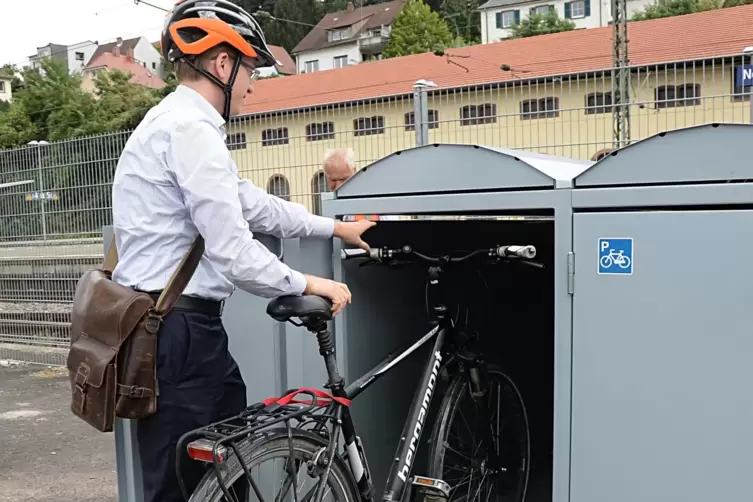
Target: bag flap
(88, 360)
(106, 311)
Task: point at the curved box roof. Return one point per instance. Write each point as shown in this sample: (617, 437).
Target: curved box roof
(712, 153)
(442, 168)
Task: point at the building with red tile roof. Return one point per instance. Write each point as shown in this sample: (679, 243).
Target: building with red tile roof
(705, 35)
(106, 61)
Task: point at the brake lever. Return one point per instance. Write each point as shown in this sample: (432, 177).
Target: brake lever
(394, 263)
(531, 263)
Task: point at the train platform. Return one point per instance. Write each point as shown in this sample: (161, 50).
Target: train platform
(48, 454)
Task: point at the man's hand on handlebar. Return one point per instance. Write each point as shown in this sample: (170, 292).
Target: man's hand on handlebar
(351, 232)
(336, 292)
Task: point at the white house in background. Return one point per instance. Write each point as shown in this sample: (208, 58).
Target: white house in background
(142, 50)
(498, 16)
(6, 93)
(74, 57)
(347, 37)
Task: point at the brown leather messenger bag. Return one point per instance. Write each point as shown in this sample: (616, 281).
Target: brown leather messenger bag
(112, 360)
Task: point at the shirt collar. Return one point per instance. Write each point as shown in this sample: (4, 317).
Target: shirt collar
(202, 104)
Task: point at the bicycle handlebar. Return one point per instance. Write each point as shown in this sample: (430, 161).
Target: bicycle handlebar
(524, 253)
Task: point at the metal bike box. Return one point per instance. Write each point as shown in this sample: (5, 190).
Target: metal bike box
(651, 353)
(429, 181)
(662, 348)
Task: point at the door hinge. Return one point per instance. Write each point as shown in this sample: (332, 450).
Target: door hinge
(571, 273)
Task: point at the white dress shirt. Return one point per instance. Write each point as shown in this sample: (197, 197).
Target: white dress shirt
(176, 179)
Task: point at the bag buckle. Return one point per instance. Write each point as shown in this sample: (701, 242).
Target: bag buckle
(134, 391)
(82, 375)
(79, 387)
(153, 322)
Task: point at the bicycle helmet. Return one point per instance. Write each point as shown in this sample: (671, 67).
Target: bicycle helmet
(193, 27)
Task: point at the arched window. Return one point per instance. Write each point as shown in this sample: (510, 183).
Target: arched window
(278, 185)
(318, 186)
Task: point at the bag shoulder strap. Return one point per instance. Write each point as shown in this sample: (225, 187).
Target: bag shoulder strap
(177, 282)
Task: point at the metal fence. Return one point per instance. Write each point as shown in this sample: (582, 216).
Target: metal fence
(55, 198)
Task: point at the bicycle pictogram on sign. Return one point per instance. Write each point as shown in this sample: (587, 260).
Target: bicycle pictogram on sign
(616, 256)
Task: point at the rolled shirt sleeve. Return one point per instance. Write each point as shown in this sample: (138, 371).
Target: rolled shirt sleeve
(287, 220)
(209, 182)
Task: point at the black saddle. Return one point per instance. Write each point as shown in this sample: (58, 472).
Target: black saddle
(307, 308)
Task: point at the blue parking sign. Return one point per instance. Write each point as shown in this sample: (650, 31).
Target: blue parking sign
(616, 255)
(744, 76)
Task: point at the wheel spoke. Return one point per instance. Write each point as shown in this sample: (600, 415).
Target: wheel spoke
(462, 449)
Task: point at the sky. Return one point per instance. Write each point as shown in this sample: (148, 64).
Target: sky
(29, 24)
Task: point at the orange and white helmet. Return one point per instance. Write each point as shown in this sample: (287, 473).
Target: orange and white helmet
(193, 27)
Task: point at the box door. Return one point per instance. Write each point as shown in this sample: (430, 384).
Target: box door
(662, 349)
(272, 356)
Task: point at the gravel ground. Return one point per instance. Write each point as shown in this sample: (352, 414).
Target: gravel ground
(7, 307)
(47, 454)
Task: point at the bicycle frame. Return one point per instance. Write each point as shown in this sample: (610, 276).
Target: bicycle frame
(413, 428)
(414, 424)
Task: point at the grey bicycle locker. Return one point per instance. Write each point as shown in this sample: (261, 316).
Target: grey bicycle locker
(650, 353)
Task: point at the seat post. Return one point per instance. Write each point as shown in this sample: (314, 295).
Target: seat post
(327, 351)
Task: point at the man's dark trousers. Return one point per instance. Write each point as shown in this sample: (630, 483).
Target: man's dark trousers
(198, 383)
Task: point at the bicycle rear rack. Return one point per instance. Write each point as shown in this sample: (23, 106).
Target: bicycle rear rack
(210, 443)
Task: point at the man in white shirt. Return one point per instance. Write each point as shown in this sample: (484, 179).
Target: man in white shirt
(176, 180)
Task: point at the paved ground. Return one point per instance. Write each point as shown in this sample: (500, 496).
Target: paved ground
(46, 454)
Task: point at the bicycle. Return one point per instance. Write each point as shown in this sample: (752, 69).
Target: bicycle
(618, 259)
(236, 445)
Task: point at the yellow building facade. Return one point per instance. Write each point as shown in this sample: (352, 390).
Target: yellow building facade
(568, 115)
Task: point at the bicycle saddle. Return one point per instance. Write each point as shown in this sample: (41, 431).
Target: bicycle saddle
(305, 307)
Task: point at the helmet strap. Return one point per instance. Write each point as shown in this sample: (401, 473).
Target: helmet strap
(226, 88)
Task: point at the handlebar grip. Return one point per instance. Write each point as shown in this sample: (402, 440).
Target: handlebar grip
(348, 254)
(527, 252)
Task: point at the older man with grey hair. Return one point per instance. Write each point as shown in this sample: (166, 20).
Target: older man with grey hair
(339, 165)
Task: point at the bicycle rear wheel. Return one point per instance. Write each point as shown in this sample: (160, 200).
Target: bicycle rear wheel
(278, 481)
(461, 461)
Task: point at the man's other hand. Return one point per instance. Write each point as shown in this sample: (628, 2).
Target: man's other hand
(351, 232)
(336, 292)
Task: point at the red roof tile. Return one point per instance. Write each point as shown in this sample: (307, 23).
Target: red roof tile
(139, 74)
(281, 55)
(715, 33)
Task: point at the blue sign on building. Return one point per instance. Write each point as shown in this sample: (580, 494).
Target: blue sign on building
(744, 76)
(616, 256)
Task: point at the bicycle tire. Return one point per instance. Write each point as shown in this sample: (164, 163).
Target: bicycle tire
(443, 423)
(269, 445)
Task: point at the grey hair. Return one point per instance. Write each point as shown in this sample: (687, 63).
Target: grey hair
(345, 153)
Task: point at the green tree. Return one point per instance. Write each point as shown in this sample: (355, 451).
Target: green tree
(417, 29)
(670, 8)
(463, 18)
(120, 104)
(15, 127)
(538, 24)
(284, 22)
(53, 103)
(666, 8)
